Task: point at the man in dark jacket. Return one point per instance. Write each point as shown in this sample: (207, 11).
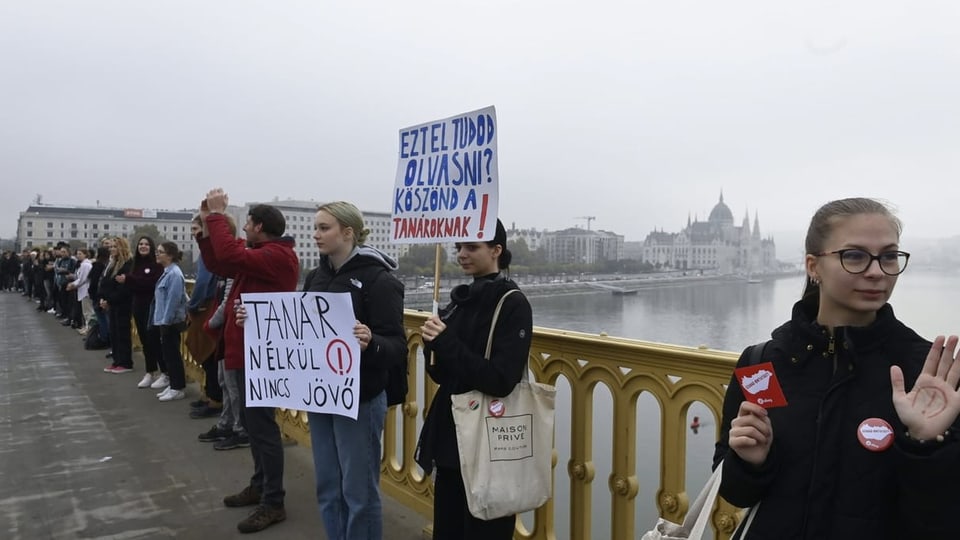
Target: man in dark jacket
(266, 262)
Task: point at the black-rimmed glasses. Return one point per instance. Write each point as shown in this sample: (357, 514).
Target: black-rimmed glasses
(857, 261)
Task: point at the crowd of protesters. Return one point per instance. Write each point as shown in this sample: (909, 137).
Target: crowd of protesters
(108, 292)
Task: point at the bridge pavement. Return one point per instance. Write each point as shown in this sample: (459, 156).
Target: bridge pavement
(85, 454)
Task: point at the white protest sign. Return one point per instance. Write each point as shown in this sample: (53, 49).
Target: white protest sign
(300, 352)
(447, 183)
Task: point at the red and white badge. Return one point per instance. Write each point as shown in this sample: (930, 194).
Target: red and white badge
(760, 385)
(875, 434)
(496, 408)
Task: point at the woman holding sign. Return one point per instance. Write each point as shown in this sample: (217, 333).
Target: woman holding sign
(456, 340)
(844, 426)
(346, 452)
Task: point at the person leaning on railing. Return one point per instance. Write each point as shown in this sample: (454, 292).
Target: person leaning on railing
(852, 454)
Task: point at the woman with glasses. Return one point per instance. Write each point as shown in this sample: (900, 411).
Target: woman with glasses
(866, 445)
(169, 317)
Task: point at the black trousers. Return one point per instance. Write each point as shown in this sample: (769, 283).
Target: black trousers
(452, 519)
(172, 359)
(211, 384)
(149, 338)
(266, 446)
(121, 342)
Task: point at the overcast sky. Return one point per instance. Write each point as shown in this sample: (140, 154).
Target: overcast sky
(635, 112)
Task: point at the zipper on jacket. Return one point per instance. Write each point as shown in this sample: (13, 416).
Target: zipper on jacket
(832, 350)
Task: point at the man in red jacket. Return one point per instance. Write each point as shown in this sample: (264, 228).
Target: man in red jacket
(265, 262)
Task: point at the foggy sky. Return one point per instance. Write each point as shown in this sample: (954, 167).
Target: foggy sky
(638, 113)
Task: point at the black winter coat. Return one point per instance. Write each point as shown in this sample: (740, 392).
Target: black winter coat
(459, 365)
(819, 482)
(116, 294)
(378, 303)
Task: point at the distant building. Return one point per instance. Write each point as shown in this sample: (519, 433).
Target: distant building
(582, 246)
(633, 250)
(42, 225)
(532, 237)
(715, 245)
(300, 216)
(45, 225)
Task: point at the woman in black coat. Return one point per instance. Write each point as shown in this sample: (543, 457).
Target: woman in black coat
(115, 298)
(852, 454)
(455, 341)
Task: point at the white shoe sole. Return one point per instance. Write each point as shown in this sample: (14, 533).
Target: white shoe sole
(173, 395)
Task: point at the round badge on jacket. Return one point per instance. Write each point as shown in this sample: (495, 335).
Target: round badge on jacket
(496, 408)
(875, 434)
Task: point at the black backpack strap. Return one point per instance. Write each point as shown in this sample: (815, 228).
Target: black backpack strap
(755, 353)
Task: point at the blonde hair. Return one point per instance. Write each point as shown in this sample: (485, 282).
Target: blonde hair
(123, 254)
(348, 215)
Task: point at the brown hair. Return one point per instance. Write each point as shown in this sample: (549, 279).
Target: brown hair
(823, 222)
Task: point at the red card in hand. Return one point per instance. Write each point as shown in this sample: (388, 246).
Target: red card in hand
(760, 385)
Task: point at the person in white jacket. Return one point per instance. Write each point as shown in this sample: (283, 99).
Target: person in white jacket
(81, 284)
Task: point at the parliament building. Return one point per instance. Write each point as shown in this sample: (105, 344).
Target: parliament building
(715, 245)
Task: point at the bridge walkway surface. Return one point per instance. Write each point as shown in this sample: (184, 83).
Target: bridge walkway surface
(86, 454)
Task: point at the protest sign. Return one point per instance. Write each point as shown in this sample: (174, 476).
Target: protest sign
(446, 187)
(300, 352)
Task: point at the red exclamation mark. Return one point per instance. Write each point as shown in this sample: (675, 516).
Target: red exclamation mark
(483, 215)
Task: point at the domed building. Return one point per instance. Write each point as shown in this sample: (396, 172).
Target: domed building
(715, 245)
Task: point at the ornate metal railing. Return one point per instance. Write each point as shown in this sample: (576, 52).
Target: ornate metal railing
(675, 376)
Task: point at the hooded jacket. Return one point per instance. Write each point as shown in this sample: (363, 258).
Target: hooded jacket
(270, 266)
(459, 365)
(377, 302)
(819, 482)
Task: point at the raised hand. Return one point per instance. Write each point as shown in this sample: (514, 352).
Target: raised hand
(751, 433)
(933, 403)
(217, 201)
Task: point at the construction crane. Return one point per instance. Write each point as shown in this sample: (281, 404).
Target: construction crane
(588, 218)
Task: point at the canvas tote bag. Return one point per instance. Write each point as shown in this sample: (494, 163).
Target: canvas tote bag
(698, 515)
(505, 444)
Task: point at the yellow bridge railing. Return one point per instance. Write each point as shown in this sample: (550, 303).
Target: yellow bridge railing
(676, 377)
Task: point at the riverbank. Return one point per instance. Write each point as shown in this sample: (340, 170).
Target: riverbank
(422, 298)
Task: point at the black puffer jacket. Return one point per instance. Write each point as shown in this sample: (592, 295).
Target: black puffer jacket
(377, 302)
(819, 482)
(459, 365)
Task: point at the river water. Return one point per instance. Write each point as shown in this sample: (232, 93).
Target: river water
(721, 315)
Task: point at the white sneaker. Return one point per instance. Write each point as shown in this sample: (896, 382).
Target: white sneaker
(160, 382)
(172, 395)
(146, 381)
(164, 393)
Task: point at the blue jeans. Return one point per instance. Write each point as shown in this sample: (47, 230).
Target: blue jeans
(346, 461)
(103, 324)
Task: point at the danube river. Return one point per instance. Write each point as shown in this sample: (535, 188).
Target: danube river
(720, 315)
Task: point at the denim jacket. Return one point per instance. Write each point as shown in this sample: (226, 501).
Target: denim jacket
(170, 298)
